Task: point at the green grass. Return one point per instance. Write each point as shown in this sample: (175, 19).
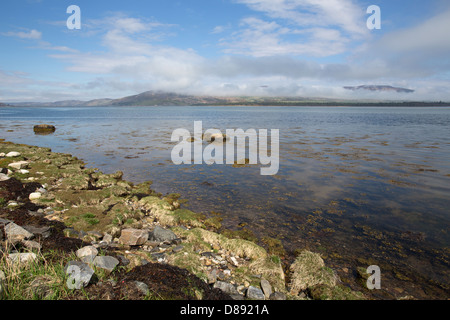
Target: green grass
(42, 279)
(91, 219)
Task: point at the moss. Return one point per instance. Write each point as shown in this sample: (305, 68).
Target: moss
(274, 246)
(188, 218)
(309, 270)
(160, 209)
(214, 223)
(244, 233)
(76, 182)
(324, 292)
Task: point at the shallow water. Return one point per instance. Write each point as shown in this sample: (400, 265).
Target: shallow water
(361, 185)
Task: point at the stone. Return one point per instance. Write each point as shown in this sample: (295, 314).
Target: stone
(266, 288)
(44, 129)
(142, 287)
(212, 276)
(13, 154)
(178, 249)
(80, 274)
(133, 237)
(107, 238)
(106, 263)
(23, 171)
(160, 235)
(22, 257)
(226, 287)
(87, 251)
(17, 233)
(278, 296)
(89, 259)
(96, 234)
(32, 245)
(123, 260)
(43, 232)
(4, 177)
(19, 165)
(35, 196)
(255, 293)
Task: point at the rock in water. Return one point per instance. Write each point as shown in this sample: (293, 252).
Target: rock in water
(44, 129)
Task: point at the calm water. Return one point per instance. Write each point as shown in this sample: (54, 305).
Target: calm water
(360, 185)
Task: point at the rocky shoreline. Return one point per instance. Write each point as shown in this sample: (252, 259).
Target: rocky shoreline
(114, 240)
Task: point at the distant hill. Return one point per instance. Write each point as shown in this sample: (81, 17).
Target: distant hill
(380, 88)
(161, 98)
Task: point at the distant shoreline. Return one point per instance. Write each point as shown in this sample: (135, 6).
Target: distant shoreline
(330, 104)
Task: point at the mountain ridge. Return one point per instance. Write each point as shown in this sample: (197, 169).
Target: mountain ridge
(162, 98)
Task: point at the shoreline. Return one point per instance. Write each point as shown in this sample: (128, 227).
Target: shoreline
(96, 208)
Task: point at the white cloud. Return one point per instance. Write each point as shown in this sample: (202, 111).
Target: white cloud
(260, 38)
(32, 34)
(345, 14)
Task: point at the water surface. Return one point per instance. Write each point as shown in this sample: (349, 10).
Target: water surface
(361, 185)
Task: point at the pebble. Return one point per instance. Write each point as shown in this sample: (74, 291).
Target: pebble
(35, 196)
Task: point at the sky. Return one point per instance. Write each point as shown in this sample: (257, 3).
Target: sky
(305, 48)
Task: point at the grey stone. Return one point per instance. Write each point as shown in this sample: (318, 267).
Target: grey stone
(31, 244)
(96, 234)
(87, 251)
(106, 263)
(17, 233)
(160, 257)
(4, 177)
(142, 287)
(226, 287)
(44, 232)
(159, 234)
(255, 293)
(80, 274)
(107, 238)
(277, 296)
(177, 249)
(212, 276)
(13, 154)
(123, 260)
(89, 259)
(19, 165)
(133, 237)
(266, 288)
(4, 222)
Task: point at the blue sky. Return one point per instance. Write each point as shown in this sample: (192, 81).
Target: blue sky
(309, 48)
